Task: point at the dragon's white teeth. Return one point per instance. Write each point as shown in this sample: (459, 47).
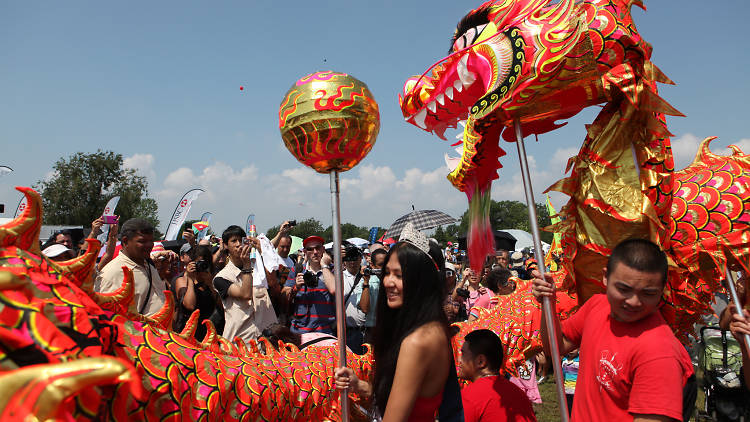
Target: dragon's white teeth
(432, 106)
(466, 77)
(462, 123)
(460, 149)
(458, 85)
(449, 92)
(441, 98)
(462, 64)
(419, 118)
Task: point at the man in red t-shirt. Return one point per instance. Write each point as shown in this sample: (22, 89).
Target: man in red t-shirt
(632, 368)
(489, 397)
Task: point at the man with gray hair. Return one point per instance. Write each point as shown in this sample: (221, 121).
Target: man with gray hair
(137, 240)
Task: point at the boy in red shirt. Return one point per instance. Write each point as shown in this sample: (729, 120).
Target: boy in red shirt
(489, 397)
(632, 368)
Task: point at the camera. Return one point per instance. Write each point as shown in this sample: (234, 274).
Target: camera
(372, 271)
(463, 293)
(110, 219)
(245, 241)
(311, 280)
(202, 266)
(292, 223)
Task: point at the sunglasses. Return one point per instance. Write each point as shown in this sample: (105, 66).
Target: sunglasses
(313, 248)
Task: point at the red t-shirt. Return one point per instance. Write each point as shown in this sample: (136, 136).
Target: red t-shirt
(495, 399)
(625, 368)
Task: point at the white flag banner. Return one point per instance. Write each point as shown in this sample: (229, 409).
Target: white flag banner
(180, 213)
(109, 209)
(205, 218)
(21, 207)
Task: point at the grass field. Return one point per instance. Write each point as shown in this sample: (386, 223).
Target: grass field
(549, 412)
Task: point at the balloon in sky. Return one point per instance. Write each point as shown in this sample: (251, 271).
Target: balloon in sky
(242, 88)
(329, 121)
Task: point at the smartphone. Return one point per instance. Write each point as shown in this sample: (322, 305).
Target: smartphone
(110, 219)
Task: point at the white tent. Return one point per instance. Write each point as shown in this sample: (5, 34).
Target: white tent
(524, 239)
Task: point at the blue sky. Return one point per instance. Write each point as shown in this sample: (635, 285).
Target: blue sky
(159, 83)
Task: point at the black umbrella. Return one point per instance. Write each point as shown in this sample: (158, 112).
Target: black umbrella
(422, 219)
(503, 240)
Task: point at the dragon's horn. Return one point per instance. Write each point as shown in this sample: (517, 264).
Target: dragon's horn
(270, 351)
(210, 338)
(227, 347)
(241, 346)
(81, 269)
(252, 347)
(23, 232)
(37, 392)
(192, 323)
(123, 296)
(166, 314)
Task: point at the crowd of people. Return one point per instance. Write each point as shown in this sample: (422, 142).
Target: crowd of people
(621, 360)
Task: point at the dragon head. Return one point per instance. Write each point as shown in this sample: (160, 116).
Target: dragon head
(535, 61)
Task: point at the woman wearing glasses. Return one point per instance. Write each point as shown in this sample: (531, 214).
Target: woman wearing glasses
(414, 370)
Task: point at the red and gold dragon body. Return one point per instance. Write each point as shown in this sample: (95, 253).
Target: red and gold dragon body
(537, 62)
(68, 353)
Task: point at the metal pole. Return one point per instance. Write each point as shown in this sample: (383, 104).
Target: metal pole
(736, 300)
(339, 298)
(548, 306)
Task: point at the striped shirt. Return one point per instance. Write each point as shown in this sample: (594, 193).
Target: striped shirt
(314, 309)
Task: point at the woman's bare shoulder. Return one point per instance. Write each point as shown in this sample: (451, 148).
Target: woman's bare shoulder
(426, 337)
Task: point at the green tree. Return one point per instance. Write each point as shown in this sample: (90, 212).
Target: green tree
(303, 229)
(512, 215)
(83, 183)
(348, 230)
(445, 234)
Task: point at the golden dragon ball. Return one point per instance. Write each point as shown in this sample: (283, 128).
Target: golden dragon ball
(329, 121)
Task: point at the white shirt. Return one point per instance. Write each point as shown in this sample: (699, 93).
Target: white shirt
(243, 318)
(111, 276)
(354, 316)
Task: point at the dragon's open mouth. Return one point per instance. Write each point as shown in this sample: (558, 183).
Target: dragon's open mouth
(454, 87)
(461, 87)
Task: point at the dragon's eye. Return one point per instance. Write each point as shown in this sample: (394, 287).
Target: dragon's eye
(469, 29)
(468, 38)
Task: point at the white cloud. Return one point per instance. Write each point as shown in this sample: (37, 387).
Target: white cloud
(370, 194)
(143, 164)
(686, 146)
(744, 145)
(684, 149)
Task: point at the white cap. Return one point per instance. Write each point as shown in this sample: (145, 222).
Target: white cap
(55, 250)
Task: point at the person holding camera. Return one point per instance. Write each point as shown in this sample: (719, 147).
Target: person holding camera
(474, 294)
(370, 290)
(311, 291)
(235, 286)
(355, 282)
(195, 291)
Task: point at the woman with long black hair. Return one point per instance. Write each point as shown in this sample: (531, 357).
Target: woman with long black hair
(413, 357)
